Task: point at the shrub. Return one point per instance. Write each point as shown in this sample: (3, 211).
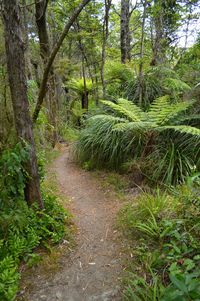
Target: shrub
(23, 228)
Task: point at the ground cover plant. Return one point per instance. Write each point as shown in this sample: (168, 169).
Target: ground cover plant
(23, 228)
(163, 234)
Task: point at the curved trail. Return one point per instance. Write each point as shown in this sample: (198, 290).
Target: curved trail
(91, 273)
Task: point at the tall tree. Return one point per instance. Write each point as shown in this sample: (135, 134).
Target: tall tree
(40, 16)
(45, 50)
(17, 81)
(165, 19)
(141, 75)
(125, 34)
(159, 43)
(43, 86)
(107, 4)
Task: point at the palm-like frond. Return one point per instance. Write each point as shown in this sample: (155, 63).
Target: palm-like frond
(125, 108)
(77, 85)
(184, 129)
(162, 111)
(117, 71)
(139, 127)
(130, 106)
(176, 85)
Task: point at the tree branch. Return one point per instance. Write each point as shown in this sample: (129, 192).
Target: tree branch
(43, 86)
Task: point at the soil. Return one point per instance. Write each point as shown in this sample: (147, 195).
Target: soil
(92, 271)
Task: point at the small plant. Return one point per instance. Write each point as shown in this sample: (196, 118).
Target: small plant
(183, 287)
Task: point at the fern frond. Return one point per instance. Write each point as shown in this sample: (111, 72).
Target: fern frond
(189, 118)
(123, 109)
(161, 110)
(134, 126)
(130, 106)
(184, 129)
(77, 85)
(176, 85)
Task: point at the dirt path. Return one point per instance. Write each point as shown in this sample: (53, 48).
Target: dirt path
(92, 271)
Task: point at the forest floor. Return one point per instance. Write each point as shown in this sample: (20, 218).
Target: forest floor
(92, 271)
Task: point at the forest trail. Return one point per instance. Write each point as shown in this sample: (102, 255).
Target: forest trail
(92, 271)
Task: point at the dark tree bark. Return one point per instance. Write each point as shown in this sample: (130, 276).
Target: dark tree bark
(17, 81)
(159, 43)
(43, 87)
(85, 96)
(141, 75)
(51, 97)
(40, 16)
(84, 61)
(125, 35)
(105, 38)
(26, 40)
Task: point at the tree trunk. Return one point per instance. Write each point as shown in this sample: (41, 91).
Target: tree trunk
(105, 38)
(51, 97)
(17, 81)
(27, 54)
(43, 87)
(125, 39)
(159, 43)
(40, 16)
(85, 95)
(141, 75)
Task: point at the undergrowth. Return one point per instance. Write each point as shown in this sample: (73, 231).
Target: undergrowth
(23, 228)
(163, 236)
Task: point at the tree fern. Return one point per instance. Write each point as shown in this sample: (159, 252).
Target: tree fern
(136, 127)
(120, 108)
(127, 132)
(161, 110)
(157, 81)
(176, 86)
(130, 106)
(77, 85)
(183, 129)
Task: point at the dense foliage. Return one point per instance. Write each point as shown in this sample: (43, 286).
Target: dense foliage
(22, 228)
(122, 79)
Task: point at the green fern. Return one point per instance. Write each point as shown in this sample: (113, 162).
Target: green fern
(132, 112)
(126, 132)
(162, 110)
(183, 129)
(77, 85)
(136, 127)
(176, 86)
